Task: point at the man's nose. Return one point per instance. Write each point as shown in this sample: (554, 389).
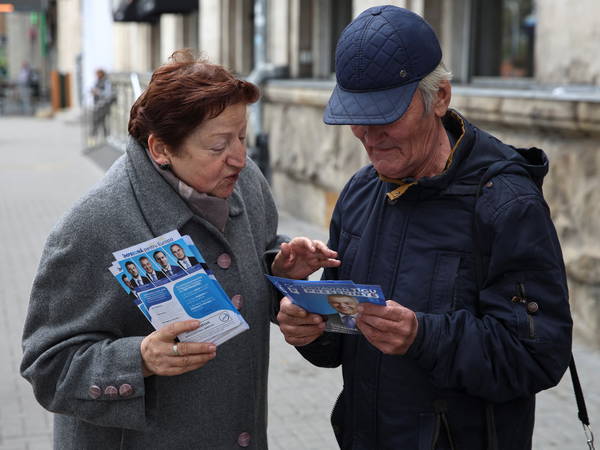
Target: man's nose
(373, 134)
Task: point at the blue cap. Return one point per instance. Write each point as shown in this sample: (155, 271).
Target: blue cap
(379, 60)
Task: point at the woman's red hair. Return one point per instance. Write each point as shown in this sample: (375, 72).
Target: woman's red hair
(181, 95)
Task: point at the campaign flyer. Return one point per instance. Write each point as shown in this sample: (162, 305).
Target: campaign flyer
(168, 280)
(336, 300)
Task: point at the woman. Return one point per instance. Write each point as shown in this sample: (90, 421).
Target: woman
(90, 354)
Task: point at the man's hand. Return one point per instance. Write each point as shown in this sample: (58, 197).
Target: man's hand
(160, 358)
(391, 328)
(299, 327)
(301, 256)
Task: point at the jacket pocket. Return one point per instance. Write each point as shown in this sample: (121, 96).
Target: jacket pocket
(347, 251)
(442, 292)
(427, 428)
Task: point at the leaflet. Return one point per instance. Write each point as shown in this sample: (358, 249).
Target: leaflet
(169, 281)
(335, 300)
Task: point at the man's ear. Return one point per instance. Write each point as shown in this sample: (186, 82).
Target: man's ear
(158, 150)
(442, 100)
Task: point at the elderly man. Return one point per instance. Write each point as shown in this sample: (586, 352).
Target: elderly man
(452, 224)
(346, 307)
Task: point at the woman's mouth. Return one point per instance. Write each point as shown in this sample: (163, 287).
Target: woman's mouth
(233, 178)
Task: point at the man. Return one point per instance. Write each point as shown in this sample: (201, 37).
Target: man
(137, 279)
(152, 274)
(453, 226)
(184, 261)
(24, 87)
(129, 283)
(168, 269)
(103, 98)
(346, 306)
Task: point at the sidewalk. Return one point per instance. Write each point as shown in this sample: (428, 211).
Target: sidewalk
(44, 172)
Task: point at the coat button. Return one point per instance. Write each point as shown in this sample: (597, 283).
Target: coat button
(111, 391)
(95, 391)
(224, 261)
(244, 439)
(125, 390)
(489, 184)
(237, 300)
(532, 307)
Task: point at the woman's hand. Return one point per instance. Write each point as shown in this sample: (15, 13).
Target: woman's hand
(163, 356)
(299, 327)
(301, 256)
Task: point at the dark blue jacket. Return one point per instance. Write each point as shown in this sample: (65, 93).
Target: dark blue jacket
(484, 348)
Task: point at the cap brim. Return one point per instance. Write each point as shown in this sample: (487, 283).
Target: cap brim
(368, 108)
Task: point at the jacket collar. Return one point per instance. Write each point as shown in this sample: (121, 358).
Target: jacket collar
(462, 130)
(162, 208)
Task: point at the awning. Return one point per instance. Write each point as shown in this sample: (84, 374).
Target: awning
(127, 11)
(154, 8)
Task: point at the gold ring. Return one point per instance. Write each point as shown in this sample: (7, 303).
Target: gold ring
(175, 350)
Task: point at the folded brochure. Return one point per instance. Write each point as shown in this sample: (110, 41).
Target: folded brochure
(335, 299)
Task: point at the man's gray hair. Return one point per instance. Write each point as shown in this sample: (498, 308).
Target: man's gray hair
(430, 85)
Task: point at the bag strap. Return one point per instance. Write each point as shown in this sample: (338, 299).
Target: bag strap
(581, 408)
(579, 398)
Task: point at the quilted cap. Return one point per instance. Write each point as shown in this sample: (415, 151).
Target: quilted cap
(380, 58)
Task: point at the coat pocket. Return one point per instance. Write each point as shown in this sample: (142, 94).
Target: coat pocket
(347, 250)
(442, 292)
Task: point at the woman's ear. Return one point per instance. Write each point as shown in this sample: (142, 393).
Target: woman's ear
(442, 101)
(158, 151)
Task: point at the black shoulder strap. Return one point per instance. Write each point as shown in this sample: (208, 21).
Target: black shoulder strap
(582, 410)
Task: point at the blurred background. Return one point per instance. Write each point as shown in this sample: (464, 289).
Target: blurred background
(526, 70)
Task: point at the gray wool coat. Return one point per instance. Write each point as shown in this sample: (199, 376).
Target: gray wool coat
(82, 330)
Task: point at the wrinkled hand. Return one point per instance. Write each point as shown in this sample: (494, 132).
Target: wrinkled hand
(299, 327)
(158, 355)
(301, 256)
(391, 328)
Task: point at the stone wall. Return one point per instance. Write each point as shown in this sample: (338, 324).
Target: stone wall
(567, 57)
(312, 161)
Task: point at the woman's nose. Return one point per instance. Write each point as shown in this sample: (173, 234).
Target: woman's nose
(237, 157)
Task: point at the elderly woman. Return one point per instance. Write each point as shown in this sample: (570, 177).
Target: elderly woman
(89, 353)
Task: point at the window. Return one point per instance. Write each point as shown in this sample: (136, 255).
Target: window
(503, 38)
(485, 38)
(315, 28)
